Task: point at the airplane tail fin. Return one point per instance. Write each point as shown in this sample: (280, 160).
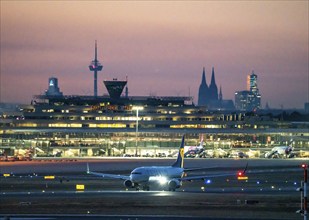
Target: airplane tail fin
(180, 157)
(202, 140)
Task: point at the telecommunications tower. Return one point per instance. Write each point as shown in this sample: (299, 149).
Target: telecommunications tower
(95, 66)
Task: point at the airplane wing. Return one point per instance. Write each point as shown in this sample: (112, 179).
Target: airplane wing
(107, 175)
(199, 168)
(203, 177)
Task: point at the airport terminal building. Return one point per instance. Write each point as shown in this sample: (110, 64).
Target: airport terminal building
(113, 125)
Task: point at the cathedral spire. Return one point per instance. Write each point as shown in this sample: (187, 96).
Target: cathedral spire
(213, 89)
(213, 80)
(203, 91)
(204, 77)
(220, 94)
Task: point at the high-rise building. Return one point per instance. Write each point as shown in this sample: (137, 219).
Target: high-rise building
(252, 83)
(245, 100)
(250, 99)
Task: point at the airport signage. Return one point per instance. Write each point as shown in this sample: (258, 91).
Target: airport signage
(49, 177)
(80, 186)
(242, 178)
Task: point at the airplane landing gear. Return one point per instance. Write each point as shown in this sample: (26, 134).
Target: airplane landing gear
(146, 188)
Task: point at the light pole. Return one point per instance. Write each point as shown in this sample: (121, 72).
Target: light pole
(136, 108)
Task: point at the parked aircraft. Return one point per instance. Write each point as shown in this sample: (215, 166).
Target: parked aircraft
(192, 151)
(280, 151)
(214, 153)
(165, 176)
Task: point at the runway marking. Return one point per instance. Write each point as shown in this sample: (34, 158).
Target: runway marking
(249, 190)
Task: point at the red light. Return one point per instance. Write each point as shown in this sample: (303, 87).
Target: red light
(304, 166)
(239, 173)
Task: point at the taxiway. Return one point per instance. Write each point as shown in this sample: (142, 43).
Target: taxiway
(269, 192)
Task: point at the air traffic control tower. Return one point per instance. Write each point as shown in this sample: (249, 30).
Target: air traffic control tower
(95, 66)
(115, 88)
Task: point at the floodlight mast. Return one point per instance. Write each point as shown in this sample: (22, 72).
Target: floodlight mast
(136, 108)
(95, 66)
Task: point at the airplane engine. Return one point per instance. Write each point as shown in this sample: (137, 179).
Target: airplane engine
(128, 184)
(174, 184)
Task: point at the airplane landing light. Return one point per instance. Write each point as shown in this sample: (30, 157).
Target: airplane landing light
(207, 181)
(161, 179)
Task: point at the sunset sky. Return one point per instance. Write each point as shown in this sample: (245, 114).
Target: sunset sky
(161, 46)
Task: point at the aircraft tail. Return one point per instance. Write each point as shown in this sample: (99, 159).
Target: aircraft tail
(202, 141)
(180, 157)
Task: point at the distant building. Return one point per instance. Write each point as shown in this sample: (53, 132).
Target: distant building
(53, 89)
(307, 107)
(203, 93)
(252, 84)
(250, 99)
(115, 88)
(213, 90)
(208, 96)
(245, 100)
(95, 66)
(109, 125)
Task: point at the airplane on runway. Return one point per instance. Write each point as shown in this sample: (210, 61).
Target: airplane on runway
(170, 176)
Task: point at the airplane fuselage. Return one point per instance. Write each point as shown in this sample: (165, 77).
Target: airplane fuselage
(154, 173)
(282, 149)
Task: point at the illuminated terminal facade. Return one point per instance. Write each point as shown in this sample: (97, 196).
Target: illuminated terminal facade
(96, 126)
(113, 125)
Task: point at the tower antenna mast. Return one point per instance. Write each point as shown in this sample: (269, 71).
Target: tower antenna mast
(95, 66)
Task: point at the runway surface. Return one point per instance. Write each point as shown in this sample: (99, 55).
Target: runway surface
(269, 192)
(58, 165)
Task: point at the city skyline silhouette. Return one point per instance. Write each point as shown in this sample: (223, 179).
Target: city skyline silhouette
(161, 46)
